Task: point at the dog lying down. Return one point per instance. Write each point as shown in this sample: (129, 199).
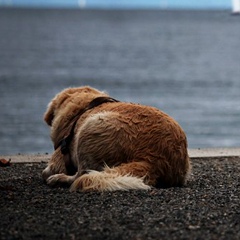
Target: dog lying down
(102, 144)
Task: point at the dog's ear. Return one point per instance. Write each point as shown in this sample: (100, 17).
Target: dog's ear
(49, 114)
(55, 105)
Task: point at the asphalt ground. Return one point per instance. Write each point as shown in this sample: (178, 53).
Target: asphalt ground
(208, 207)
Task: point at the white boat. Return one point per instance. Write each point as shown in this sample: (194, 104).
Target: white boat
(235, 7)
(82, 3)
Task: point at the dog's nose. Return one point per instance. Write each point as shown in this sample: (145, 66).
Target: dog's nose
(84, 172)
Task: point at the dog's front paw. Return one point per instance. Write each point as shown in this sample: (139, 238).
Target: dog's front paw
(55, 179)
(47, 172)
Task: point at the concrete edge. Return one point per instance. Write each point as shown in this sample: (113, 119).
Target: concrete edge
(193, 153)
(214, 152)
(27, 158)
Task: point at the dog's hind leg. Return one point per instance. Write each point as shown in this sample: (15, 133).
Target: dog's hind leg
(127, 176)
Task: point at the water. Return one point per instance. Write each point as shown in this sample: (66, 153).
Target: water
(183, 62)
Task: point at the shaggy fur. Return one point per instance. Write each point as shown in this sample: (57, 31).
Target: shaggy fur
(116, 146)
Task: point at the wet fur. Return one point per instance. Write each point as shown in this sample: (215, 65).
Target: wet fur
(116, 146)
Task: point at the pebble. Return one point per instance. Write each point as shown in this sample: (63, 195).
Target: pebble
(206, 208)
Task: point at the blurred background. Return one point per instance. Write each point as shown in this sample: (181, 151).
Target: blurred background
(180, 56)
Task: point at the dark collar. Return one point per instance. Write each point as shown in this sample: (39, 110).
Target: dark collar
(65, 142)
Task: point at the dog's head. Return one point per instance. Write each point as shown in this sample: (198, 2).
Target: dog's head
(70, 100)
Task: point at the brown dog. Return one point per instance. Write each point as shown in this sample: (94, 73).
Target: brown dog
(102, 144)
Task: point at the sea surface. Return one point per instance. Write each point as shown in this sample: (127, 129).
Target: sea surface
(187, 63)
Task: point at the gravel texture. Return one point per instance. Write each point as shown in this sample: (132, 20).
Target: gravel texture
(208, 207)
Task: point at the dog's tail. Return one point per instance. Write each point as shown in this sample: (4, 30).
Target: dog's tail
(124, 177)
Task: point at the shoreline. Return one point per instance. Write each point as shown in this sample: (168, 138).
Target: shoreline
(193, 153)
